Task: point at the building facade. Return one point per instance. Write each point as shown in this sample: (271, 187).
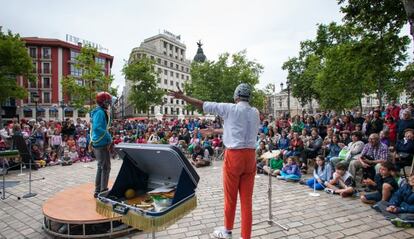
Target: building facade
(173, 69)
(53, 60)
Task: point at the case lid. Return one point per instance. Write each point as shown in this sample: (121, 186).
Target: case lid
(163, 163)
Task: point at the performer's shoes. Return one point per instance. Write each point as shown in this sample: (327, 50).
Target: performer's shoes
(221, 232)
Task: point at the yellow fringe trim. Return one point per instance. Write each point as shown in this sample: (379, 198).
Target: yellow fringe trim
(149, 223)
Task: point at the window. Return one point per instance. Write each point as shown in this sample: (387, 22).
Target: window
(171, 83)
(176, 66)
(46, 53)
(46, 68)
(28, 113)
(33, 84)
(34, 67)
(177, 102)
(82, 113)
(53, 113)
(46, 97)
(186, 69)
(177, 75)
(100, 61)
(152, 109)
(186, 77)
(73, 55)
(165, 72)
(182, 77)
(165, 44)
(182, 68)
(46, 82)
(80, 82)
(152, 57)
(165, 110)
(165, 63)
(69, 114)
(74, 71)
(178, 111)
(171, 73)
(171, 64)
(182, 52)
(177, 84)
(165, 82)
(171, 47)
(159, 70)
(172, 110)
(40, 114)
(176, 49)
(171, 100)
(182, 102)
(165, 53)
(170, 55)
(159, 61)
(33, 52)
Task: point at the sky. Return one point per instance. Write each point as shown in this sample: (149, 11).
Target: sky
(269, 30)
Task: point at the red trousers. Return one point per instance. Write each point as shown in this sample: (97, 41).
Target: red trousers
(239, 170)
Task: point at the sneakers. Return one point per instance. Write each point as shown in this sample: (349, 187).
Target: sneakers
(398, 222)
(221, 232)
(280, 177)
(329, 190)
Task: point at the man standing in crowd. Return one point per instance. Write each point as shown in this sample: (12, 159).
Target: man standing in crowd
(101, 140)
(241, 125)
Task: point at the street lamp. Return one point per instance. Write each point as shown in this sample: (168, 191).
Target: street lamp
(62, 104)
(35, 98)
(288, 101)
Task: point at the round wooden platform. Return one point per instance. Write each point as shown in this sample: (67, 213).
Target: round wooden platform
(72, 214)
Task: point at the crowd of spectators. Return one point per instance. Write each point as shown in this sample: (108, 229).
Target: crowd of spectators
(350, 155)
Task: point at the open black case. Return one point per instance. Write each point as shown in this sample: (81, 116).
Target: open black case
(146, 167)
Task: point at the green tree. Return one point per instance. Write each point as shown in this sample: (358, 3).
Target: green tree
(14, 61)
(144, 91)
(82, 89)
(380, 23)
(216, 80)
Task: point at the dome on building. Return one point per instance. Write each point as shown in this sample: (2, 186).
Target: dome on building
(200, 57)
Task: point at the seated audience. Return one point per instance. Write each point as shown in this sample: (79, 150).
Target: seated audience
(321, 174)
(291, 171)
(342, 182)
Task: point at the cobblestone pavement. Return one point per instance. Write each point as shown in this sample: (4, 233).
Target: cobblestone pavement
(326, 216)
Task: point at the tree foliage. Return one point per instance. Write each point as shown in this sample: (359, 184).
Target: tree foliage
(144, 91)
(344, 62)
(216, 80)
(82, 90)
(14, 61)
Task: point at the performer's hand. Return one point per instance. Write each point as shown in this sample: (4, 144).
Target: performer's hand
(176, 94)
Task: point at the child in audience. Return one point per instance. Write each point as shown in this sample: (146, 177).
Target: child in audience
(56, 141)
(84, 156)
(400, 208)
(321, 174)
(54, 159)
(291, 171)
(342, 183)
(274, 165)
(70, 143)
(73, 154)
(81, 140)
(384, 183)
(65, 160)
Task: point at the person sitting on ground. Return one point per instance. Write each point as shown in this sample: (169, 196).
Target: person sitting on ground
(54, 159)
(346, 137)
(400, 208)
(274, 165)
(73, 154)
(321, 174)
(201, 157)
(372, 155)
(384, 184)
(312, 149)
(342, 182)
(351, 150)
(291, 171)
(141, 139)
(402, 153)
(84, 156)
(283, 142)
(70, 143)
(65, 160)
(297, 125)
(334, 148)
(260, 163)
(296, 146)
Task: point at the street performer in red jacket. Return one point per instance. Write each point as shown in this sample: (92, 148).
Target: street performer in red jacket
(241, 125)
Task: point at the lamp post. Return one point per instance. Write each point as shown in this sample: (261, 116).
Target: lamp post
(62, 104)
(288, 101)
(35, 98)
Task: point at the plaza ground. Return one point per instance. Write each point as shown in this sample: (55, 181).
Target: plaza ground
(326, 216)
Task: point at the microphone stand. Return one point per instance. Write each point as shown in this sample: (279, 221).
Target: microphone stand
(30, 193)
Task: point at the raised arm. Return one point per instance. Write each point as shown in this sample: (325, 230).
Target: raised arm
(192, 101)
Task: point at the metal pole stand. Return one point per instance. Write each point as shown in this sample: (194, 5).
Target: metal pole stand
(270, 220)
(30, 193)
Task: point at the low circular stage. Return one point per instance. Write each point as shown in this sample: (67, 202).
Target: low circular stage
(72, 214)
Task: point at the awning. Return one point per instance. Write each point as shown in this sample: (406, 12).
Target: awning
(68, 109)
(40, 109)
(53, 109)
(27, 109)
